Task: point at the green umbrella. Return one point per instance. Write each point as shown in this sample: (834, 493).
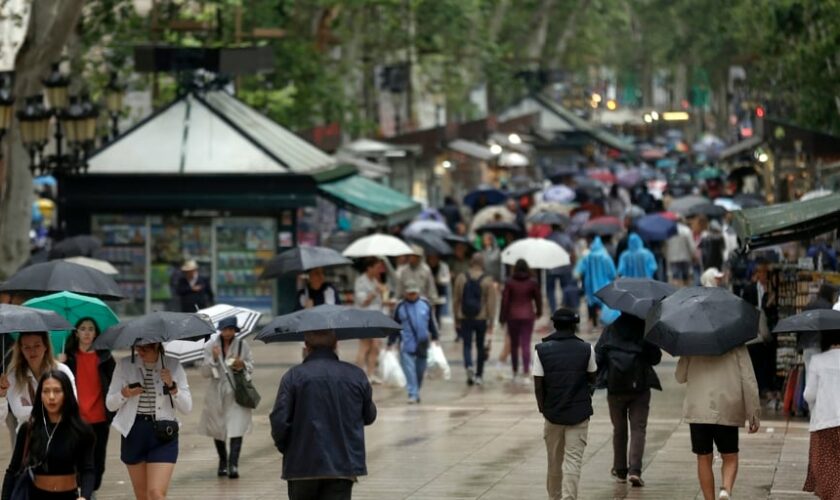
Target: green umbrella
(73, 307)
(709, 172)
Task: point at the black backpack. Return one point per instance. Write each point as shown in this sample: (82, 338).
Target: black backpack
(625, 372)
(471, 298)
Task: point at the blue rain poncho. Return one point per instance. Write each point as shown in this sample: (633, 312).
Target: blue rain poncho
(596, 270)
(637, 261)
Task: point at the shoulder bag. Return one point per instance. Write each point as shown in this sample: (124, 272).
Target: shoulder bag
(244, 392)
(24, 479)
(166, 430)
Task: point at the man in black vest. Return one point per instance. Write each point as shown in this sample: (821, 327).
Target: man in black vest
(564, 369)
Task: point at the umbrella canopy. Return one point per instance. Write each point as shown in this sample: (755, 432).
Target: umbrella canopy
(817, 320)
(629, 178)
(559, 194)
(491, 196)
(707, 173)
(377, 245)
(73, 307)
(346, 322)
(454, 239)
(550, 218)
(711, 210)
(491, 214)
(432, 244)
(603, 226)
(501, 228)
(153, 328)
(602, 175)
(561, 172)
(746, 200)
(701, 321)
(654, 227)
(557, 208)
(60, 276)
(686, 203)
(634, 296)
(301, 259)
(728, 204)
(538, 253)
(513, 159)
(188, 350)
(430, 214)
(76, 246)
(16, 319)
(100, 265)
(425, 226)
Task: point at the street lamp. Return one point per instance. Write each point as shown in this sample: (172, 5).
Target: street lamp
(56, 84)
(114, 103)
(34, 128)
(80, 120)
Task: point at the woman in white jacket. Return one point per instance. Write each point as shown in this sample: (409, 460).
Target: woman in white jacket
(145, 392)
(222, 418)
(822, 377)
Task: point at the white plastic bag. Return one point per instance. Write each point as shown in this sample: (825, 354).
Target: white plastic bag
(436, 364)
(392, 372)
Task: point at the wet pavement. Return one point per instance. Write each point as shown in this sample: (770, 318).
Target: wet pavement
(473, 442)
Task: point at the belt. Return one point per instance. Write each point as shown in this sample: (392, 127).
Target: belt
(147, 418)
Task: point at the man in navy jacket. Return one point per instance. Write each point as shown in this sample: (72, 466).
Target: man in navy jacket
(318, 422)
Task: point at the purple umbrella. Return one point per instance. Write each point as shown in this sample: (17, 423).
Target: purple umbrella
(431, 214)
(559, 194)
(629, 178)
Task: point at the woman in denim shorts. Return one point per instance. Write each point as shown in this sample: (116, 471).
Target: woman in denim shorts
(145, 392)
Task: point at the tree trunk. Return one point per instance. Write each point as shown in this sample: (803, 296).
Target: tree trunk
(537, 42)
(50, 25)
(568, 32)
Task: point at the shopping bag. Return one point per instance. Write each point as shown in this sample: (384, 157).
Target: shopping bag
(392, 373)
(436, 364)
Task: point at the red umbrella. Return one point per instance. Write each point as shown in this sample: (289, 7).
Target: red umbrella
(669, 216)
(604, 176)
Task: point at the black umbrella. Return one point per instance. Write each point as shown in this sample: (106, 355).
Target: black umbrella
(153, 328)
(501, 228)
(559, 173)
(551, 218)
(28, 319)
(76, 246)
(602, 226)
(809, 325)
(61, 276)
(346, 322)
(701, 321)
(432, 243)
(634, 295)
(750, 200)
(708, 209)
(302, 259)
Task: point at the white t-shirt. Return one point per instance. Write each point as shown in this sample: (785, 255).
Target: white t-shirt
(538, 371)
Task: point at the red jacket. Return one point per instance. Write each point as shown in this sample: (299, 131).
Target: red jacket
(521, 299)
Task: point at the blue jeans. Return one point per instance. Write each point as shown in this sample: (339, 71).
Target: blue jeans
(479, 327)
(571, 294)
(413, 367)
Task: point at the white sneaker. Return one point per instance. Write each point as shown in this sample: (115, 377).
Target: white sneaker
(724, 495)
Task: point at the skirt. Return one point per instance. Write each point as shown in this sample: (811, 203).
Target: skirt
(823, 457)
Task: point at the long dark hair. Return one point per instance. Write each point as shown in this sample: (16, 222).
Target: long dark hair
(521, 267)
(72, 344)
(78, 432)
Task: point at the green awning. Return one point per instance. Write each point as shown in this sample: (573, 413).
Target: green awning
(763, 226)
(364, 196)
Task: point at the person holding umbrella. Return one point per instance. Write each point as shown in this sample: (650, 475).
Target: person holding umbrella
(418, 329)
(94, 370)
(147, 389)
(317, 291)
(222, 418)
(821, 382)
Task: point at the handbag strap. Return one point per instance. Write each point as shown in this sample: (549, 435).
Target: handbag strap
(25, 458)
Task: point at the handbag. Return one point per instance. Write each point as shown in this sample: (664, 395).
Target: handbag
(166, 431)
(244, 392)
(24, 479)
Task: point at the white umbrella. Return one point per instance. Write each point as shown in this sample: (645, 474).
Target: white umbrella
(496, 213)
(817, 193)
(537, 252)
(513, 159)
(727, 203)
(559, 194)
(377, 245)
(419, 227)
(186, 351)
(553, 207)
(100, 265)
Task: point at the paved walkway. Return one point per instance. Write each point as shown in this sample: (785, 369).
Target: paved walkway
(480, 442)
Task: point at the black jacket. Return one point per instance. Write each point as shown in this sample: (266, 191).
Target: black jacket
(566, 398)
(191, 301)
(106, 373)
(622, 345)
(319, 416)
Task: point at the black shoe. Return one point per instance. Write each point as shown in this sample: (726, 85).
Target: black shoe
(636, 480)
(223, 457)
(620, 477)
(235, 449)
(470, 376)
(234, 472)
(223, 469)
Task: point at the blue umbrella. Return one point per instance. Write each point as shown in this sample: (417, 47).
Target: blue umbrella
(559, 193)
(492, 196)
(654, 227)
(430, 214)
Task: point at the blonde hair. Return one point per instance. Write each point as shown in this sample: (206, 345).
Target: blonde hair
(19, 365)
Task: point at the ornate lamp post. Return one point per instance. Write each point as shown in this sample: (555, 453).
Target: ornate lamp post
(7, 107)
(114, 103)
(34, 130)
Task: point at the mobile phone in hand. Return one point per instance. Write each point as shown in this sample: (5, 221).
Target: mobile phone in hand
(135, 385)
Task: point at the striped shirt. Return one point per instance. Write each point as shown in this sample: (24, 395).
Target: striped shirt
(147, 403)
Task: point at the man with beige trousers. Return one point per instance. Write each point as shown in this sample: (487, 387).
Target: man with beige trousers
(721, 395)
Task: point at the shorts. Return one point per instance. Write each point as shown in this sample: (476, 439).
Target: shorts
(725, 437)
(143, 446)
(680, 270)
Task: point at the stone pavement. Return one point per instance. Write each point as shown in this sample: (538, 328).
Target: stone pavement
(466, 443)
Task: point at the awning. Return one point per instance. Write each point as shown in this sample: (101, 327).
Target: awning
(473, 149)
(771, 225)
(740, 147)
(366, 168)
(364, 196)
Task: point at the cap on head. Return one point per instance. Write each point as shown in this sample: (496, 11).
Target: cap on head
(418, 251)
(565, 318)
(411, 286)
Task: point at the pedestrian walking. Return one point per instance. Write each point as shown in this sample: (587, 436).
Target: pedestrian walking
(680, 255)
(721, 394)
(442, 277)
(317, 291)
(93, 370)
(194, 290)
(625, 368)
(451, 212)
(521, 306)
(821, 382)
(318, 420)
(712, 246)
(147, 388)
(417, 271)
(763, 353)
(564, 369)
(809, 342)
(596, 269)
(492, 256)
(32, 356)
(416, 317)
(56, 443)
(474, 309)
(637, 261)
(222, 418)
(563, 274)
(370, 294)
